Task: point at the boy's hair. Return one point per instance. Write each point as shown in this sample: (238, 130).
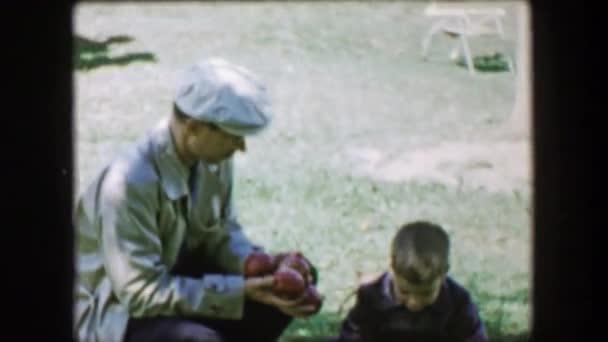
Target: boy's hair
(420, 252)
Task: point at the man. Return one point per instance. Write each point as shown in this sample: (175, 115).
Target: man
(160, 252)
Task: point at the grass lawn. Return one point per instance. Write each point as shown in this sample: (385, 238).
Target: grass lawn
(366, 136)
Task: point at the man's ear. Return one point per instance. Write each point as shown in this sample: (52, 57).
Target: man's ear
(191, 126)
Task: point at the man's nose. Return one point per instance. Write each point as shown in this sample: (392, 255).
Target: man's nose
(240, 144)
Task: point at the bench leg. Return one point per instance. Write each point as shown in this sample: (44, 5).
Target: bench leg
(467, 54)
(426, 42)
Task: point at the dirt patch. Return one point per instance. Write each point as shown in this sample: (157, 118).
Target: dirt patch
(496, 166)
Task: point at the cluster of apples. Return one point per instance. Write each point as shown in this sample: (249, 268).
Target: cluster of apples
(291, 275)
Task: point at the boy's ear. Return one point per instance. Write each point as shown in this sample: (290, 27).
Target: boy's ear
(444, 275)
(391, 262)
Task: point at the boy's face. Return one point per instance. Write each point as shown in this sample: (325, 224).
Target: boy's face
(415, 297)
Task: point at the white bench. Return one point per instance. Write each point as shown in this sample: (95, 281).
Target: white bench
(463, 20)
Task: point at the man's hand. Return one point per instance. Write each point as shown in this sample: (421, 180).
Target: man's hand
(311, 275)
(259, 289)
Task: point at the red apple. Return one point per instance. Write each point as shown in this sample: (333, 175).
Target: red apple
(259, 264)
(313, 297)
(297, 262)
(288, 283)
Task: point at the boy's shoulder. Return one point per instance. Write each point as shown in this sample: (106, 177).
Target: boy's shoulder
(373, 291)
(458, 293)
(375, 284)
(452, 286)
(453, 295)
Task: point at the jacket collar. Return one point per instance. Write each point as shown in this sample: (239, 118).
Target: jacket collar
(443, 302)
(173, 173)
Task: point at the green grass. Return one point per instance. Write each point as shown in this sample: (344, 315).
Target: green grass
(345, 77)
(344, 225)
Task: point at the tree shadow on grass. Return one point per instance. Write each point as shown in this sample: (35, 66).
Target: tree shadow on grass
(325, 327)
(90, 54)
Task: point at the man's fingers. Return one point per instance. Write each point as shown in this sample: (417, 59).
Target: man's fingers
(307, 309)
(261, 282)
(286, 303)
(302, 311)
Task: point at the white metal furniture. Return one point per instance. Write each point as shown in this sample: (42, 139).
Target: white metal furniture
(462, 21)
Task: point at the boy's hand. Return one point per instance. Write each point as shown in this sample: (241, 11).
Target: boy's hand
(259, 289)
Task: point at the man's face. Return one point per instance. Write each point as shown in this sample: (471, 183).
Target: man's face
(207, 142)
(415, 297)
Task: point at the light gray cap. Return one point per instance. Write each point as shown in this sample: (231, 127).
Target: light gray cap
(230, 96)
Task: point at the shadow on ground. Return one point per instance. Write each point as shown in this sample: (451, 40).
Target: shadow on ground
(90, 54)
(324, 327)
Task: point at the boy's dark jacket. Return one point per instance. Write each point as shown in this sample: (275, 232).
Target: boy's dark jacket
(377, 318)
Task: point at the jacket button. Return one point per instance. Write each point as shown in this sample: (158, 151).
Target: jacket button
(217, 288)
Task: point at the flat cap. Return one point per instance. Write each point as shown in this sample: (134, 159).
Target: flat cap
(228, 95)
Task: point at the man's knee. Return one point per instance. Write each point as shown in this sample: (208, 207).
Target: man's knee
(190, 331)
(170, 329)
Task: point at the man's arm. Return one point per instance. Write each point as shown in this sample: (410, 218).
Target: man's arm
(132, 255)
(229, 246)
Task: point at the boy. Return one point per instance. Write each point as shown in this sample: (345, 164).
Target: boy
(416, 300)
